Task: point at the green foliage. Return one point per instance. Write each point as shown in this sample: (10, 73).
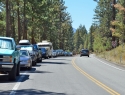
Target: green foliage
(120, 20)
(98, 44)
(39, 20)
(80, 39)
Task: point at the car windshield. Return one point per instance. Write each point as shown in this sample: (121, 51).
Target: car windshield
(35, 47)
(43, 49)
(23, 53)
(54, 50)
(85, 51)
(6, 44)
(30, 48)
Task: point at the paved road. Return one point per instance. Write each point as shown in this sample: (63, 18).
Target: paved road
(68, 76)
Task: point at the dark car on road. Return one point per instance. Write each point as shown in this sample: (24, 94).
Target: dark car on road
(44, 53)
(84, 52)
(38, 53)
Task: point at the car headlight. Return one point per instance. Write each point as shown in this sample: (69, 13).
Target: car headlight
(28, 61)
(6, 59)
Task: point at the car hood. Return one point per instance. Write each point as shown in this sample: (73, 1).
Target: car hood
(6, 52)
(24, 58)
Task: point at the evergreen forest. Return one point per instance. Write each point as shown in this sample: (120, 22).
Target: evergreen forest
(38, 20)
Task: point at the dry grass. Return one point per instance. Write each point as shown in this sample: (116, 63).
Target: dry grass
(116, 55)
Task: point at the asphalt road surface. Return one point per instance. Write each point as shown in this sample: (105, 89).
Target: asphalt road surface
(68, 76)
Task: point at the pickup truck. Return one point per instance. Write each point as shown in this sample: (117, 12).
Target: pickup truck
(9, 58)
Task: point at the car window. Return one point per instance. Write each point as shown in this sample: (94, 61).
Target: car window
(23, 53)
(43, 49)
(30, 48)
(6, 44)
(85, 51)
(35, 47)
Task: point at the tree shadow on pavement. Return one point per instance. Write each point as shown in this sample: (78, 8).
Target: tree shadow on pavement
(48, 62)
(33, 70)
(4, 78)
(24, 72)
(31, 92)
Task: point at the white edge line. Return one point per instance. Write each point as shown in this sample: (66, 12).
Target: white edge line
(109, 65)
(17, 84)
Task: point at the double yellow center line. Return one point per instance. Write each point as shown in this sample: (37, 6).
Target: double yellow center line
(112, 92)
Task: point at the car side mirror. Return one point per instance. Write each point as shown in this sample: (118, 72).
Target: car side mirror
(17, 48)
(31, 54)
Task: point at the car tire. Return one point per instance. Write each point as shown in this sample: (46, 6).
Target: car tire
(29, 68)
(40, 60)
(88, 55)
(18, 69)
(34, 63)
(47, 57)
(12, 73)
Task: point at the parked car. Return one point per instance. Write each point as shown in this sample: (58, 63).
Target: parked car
(70, 54)
(35, 49)
(65, 53)
(60, 52)
(25, 59)
(44, 53)
(38, 53)
(31, 51)
(54, 53)
(84, 52)
(9, 57)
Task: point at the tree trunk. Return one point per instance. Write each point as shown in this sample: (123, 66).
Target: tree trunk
(33, 42)
(7, 18)
(18, 14)
(113, 16)
(24, 22)
(32, 34)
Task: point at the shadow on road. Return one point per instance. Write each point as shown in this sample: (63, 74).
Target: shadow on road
(24, 72)
(48, 62)
(33, 70)
(4, 78)
(31, 92)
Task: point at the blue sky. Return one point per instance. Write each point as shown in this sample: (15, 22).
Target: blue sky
(81, 12)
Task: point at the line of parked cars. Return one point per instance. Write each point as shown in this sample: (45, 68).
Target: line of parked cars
(61, 52)
(25, 54)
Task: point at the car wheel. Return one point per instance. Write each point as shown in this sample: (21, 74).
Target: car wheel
(12, 73)
(29, 68)
(18, 69)
(47, 57)
(34, 63)
(40, 60)
(88, 55)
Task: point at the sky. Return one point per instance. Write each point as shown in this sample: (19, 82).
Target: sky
(81, 11)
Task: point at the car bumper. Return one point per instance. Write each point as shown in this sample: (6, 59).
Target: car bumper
(44, 55)
(84, 54)
(6, 66)
(24, 64)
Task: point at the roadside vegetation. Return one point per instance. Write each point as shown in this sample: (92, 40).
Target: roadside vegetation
(106, 37)
(116, 55)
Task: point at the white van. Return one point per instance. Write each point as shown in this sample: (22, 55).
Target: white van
(48, 46)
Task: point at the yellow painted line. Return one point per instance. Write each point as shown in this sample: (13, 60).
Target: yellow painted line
(111, 91)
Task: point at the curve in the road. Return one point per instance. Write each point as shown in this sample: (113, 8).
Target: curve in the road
(111, 91)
